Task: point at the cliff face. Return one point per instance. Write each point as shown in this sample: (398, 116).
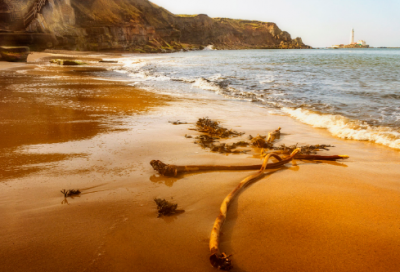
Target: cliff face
(139, 25)
(229, 33)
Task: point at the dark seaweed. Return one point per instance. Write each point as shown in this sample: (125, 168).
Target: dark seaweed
(213, 128)
(306, 149)
(166, 208)
(178, 122)
(71, 192)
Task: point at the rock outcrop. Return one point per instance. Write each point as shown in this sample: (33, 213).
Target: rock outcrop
(138, 26)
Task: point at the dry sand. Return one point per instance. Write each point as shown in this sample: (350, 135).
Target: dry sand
(70, 131)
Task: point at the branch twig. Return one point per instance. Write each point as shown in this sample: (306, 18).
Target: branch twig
(174, 170)
(221, 260)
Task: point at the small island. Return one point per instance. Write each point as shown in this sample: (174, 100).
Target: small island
(352, 44)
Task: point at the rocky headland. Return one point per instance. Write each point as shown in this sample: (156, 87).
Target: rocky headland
(136, 26)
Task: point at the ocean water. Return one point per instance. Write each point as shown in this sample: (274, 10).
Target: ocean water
(354, 93)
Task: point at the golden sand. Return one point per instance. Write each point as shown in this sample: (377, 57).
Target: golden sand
(74, 132)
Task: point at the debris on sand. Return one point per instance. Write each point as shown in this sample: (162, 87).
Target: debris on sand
(67, 62)
(206, 141)
(171, 170)
(213, 128)
(177, 122)
(71, 192)
(306, 149)
(219, 259)
(108, 61)
(166, 208)
(264, 142)
(259, 141)
(212, 133)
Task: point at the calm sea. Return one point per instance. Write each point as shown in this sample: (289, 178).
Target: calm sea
(354, 93)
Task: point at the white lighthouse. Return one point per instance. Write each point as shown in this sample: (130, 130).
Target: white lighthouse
(352, 36)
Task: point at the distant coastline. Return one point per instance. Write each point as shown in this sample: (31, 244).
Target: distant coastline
(369, 47)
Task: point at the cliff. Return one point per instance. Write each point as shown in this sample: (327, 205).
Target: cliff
(138, 25)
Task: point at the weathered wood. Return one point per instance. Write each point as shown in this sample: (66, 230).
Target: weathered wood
(174, 170)
(219, 259)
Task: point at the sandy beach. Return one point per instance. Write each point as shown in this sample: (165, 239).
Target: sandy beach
(63, 128)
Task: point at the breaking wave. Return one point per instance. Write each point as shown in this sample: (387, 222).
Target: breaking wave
(302, 85)
(346, 128)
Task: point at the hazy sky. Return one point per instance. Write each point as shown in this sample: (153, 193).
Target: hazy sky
(319, 23)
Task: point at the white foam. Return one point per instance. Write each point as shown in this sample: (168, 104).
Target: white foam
(209, 47)
(270, 80)
(346, 128)
(136, 71)
(205, 84)
(121, 71)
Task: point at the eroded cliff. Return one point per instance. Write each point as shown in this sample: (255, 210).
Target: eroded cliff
(139, 26)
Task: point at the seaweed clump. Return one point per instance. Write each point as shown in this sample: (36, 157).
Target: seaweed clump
(221, 261)
(67, 62)
(166, 208)
(306, 149)
(260, 141)
(206, 141)
(213, 128)
(177, 122)
(229, 148)
(71, 192)
(264, 142)
(214, 132)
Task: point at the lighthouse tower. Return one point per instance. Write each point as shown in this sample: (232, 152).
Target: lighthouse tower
(352, 36)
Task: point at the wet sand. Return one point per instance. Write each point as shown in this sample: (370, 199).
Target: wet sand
(7, 65)
(62, 129)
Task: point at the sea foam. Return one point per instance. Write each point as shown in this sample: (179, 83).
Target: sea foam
(346, 128)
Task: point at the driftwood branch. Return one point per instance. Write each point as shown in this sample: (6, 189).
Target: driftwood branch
(174, 170)
(213, 132)
(221, 260)
(321, 158)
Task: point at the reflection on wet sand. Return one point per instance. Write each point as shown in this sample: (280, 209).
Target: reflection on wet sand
(59, 104)
(15, 164)
(168, 181)
(82, 191)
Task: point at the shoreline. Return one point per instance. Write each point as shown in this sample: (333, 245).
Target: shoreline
(308, 217)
